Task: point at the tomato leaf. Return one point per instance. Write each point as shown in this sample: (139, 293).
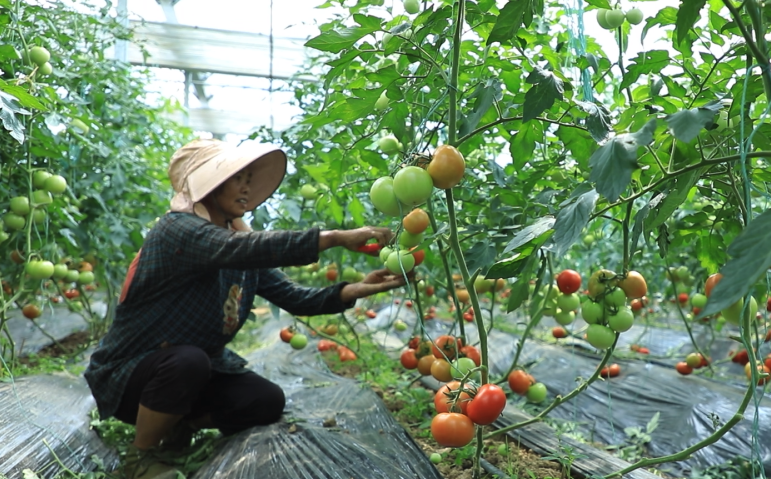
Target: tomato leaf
(573, 217)
(520, 290)
(750, 260)
(687, 15)
(483, 97)
(598, 121)
(686, 125)
(335, 41)
(522, 145)
(480, 255)
(652, 61)
(665, 203)
(612, 165)
(541, 97)
(578, 141)
(508, 22)
(637, 228)
(8, 110)
(529, 233)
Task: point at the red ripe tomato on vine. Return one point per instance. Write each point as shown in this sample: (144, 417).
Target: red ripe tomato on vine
(569, 281)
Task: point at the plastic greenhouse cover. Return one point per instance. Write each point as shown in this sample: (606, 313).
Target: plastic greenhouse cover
(42, 412)
(690, 407)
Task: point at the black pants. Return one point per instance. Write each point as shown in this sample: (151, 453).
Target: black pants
(179, 380)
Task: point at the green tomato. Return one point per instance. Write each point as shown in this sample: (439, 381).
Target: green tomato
(602, 18)
(393, 262)
(614, 18)
(388, 144)
(382, 102)
(85, 277)
(698, 300)
(38, 216)
(733, 313)
(308, 192)
(350, 274)
(592, 312)
(382, 196)
(408, 240)
(589, 240)
(3, 236)
(39, 178)
(60, 271)
(622, 320)
(72, 275)
(39, 55)
(298, 341)
(45, 69)
(435, 458)
(616, 298)
(20, 205)
(503, 450)
(56, 184)
(599, 336)
(536, 393)
(400, 325)
(565, 317)
(568, 302)
(41, 198)
(78, 124)
(384, 253)
(412, 6)
(14, 221)
(461, 366)
(413, 185)
(634, 16)
(38, 269)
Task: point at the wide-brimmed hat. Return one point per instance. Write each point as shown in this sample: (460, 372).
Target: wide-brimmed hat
(199, 167)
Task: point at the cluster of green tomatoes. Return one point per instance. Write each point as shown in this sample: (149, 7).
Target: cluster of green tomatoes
(610, 19)
(22, 209)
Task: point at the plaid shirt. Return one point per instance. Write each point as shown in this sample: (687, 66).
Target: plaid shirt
(195, 284)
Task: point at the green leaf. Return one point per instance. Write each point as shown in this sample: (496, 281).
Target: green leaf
(645, 62)
(520, 290)
(508, 22)
(335, 41)
(8, 52)
(24, 98)
(664, 204)
(8, 110)
(579, 142)
(687, 15)
(573, 217)
(523, 144)
(637, 228)
(529, 233)
(686, 125)
(483, 97)
(598, 121)
(480, 255)
(750, 260)
(612, 165)
(357, 211)
(541, 97)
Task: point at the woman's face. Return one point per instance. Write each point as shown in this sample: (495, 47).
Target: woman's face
(231, 197)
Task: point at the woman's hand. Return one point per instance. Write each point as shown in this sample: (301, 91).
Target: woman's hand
(353, 239)
(375, 282)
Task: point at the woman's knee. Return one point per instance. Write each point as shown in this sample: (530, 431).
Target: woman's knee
(188, 361)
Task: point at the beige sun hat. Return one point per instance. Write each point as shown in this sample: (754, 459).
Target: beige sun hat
(199, 167)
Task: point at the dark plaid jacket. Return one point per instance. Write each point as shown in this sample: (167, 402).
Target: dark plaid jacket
(195, 284)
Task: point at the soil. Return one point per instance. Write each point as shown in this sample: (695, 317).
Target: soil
(67, 346)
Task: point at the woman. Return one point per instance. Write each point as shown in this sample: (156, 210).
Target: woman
(163, 365)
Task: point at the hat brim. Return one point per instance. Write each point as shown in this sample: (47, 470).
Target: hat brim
(268, 172)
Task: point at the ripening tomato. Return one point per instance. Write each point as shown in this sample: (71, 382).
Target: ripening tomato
(634, 285)
(762, 369)
(414, 342)
(408, 359)
(287, 333)
(30, 311)
(74, 293)
(610, 371)
(683, 368)
(468, 317)
(472, 353)
(419, 256)
(425, 363)
(446, 394)
(445, 345)
(520, 381)
(416, 221)
(569, 281)
(711, 282)
(326, 345)
(463, 295)
(371, 313)
(441, 370)
(345, 354)
(331, 274)
(447, 167)
(451, 429)
(559, 332)
(487, 404)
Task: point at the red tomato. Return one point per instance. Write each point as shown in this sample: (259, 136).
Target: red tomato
(408, 303)
(711, 282)
(683, 368)
(408, 359)
(445, 345)
(559, 332)
(487, 405)
(345, 354)
(451, 429)
(520, 381)
(287, 333)
(326, 345)
(429, 288)
(444, 397)
(643, 351)
(370, 249)
(610, 371)
(414, 342)
(683, 298)
(634, 285)
(468, 317)
(569, 281)
(371, 314)
(472, 353)
(741, 357)
(331, 274)
(71, 293)
(636, 305)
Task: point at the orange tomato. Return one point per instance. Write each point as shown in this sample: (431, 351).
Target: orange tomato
(711, 282)
(424, 364)
(634, 285)
(447, 167)
(416, 221)
(440, 370)
(520, 381)
(444, 397)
